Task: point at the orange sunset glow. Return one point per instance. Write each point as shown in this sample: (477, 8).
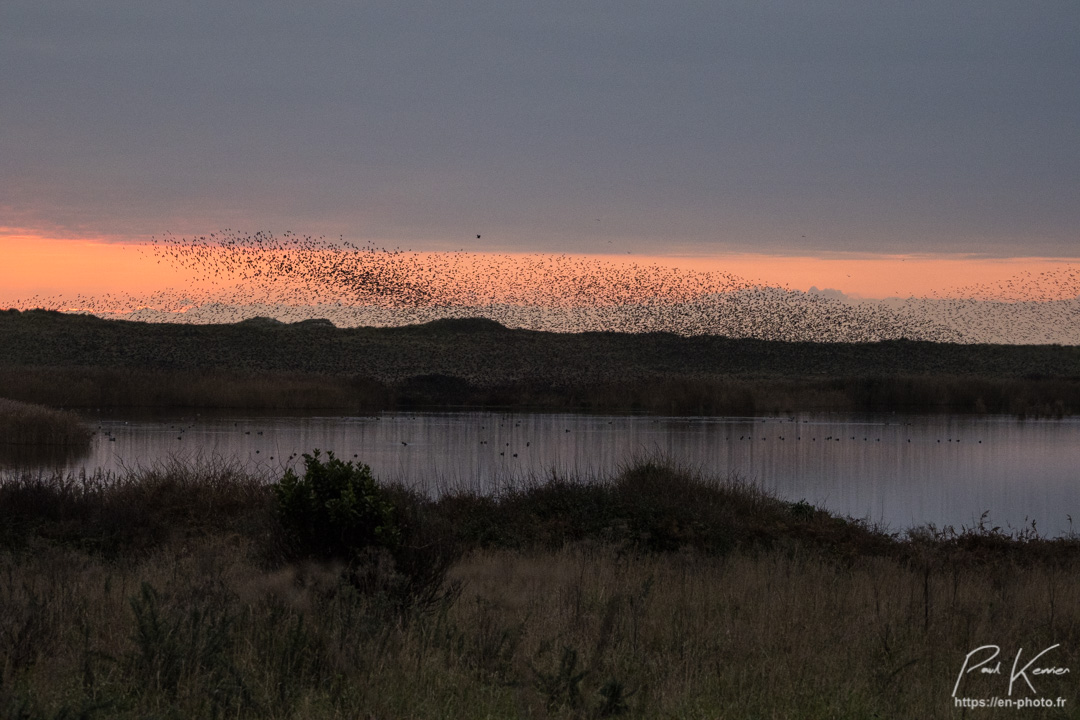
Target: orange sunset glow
(48, 267)
(35, 266)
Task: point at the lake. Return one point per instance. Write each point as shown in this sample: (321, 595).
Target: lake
(902, 471)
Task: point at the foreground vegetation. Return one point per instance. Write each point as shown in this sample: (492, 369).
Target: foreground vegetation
(86, 362)
(206, 592)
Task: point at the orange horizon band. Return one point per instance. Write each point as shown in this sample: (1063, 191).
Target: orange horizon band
(49, 267)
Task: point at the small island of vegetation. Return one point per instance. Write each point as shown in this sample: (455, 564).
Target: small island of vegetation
(30, 424)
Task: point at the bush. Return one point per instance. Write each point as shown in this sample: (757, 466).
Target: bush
(336, 511)
(393, 547)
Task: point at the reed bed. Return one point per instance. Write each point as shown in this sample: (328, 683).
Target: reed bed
(98, 388)
(23, 423)
(658, 592)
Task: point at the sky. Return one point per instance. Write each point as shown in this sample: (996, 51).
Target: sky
(93, 268)
(786, 132)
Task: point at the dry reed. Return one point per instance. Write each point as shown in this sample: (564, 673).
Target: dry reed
(24, 423)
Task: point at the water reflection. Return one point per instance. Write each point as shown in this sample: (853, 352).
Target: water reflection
(47, 457)
(901, 471)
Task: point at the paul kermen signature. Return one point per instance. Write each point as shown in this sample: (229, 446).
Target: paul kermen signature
(987, 654)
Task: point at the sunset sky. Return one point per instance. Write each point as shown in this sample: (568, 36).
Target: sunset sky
(843, 144)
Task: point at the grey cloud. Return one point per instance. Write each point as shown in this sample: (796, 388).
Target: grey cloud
(700, 126)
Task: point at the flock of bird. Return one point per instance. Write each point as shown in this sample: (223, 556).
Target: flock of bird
(231, 276)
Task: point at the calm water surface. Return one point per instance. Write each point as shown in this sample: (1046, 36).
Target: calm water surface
(899, 470)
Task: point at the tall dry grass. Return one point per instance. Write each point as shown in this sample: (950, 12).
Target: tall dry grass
(800, 615)
(133, 512)
(23, 423)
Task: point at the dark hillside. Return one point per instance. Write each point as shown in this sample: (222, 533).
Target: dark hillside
(478, 361)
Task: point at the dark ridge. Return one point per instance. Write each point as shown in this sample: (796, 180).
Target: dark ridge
(80, 361)
(314, 323)
(487, 353)
(460, 325)
(42, 315)
(260, 322)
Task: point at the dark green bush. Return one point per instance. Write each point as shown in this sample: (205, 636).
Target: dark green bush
(394, 547)
(336, 510)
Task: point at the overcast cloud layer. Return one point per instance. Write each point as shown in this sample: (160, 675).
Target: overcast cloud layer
(793, 127)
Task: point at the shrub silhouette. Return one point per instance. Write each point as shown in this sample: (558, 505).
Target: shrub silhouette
(336, 511)
(392, 548)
